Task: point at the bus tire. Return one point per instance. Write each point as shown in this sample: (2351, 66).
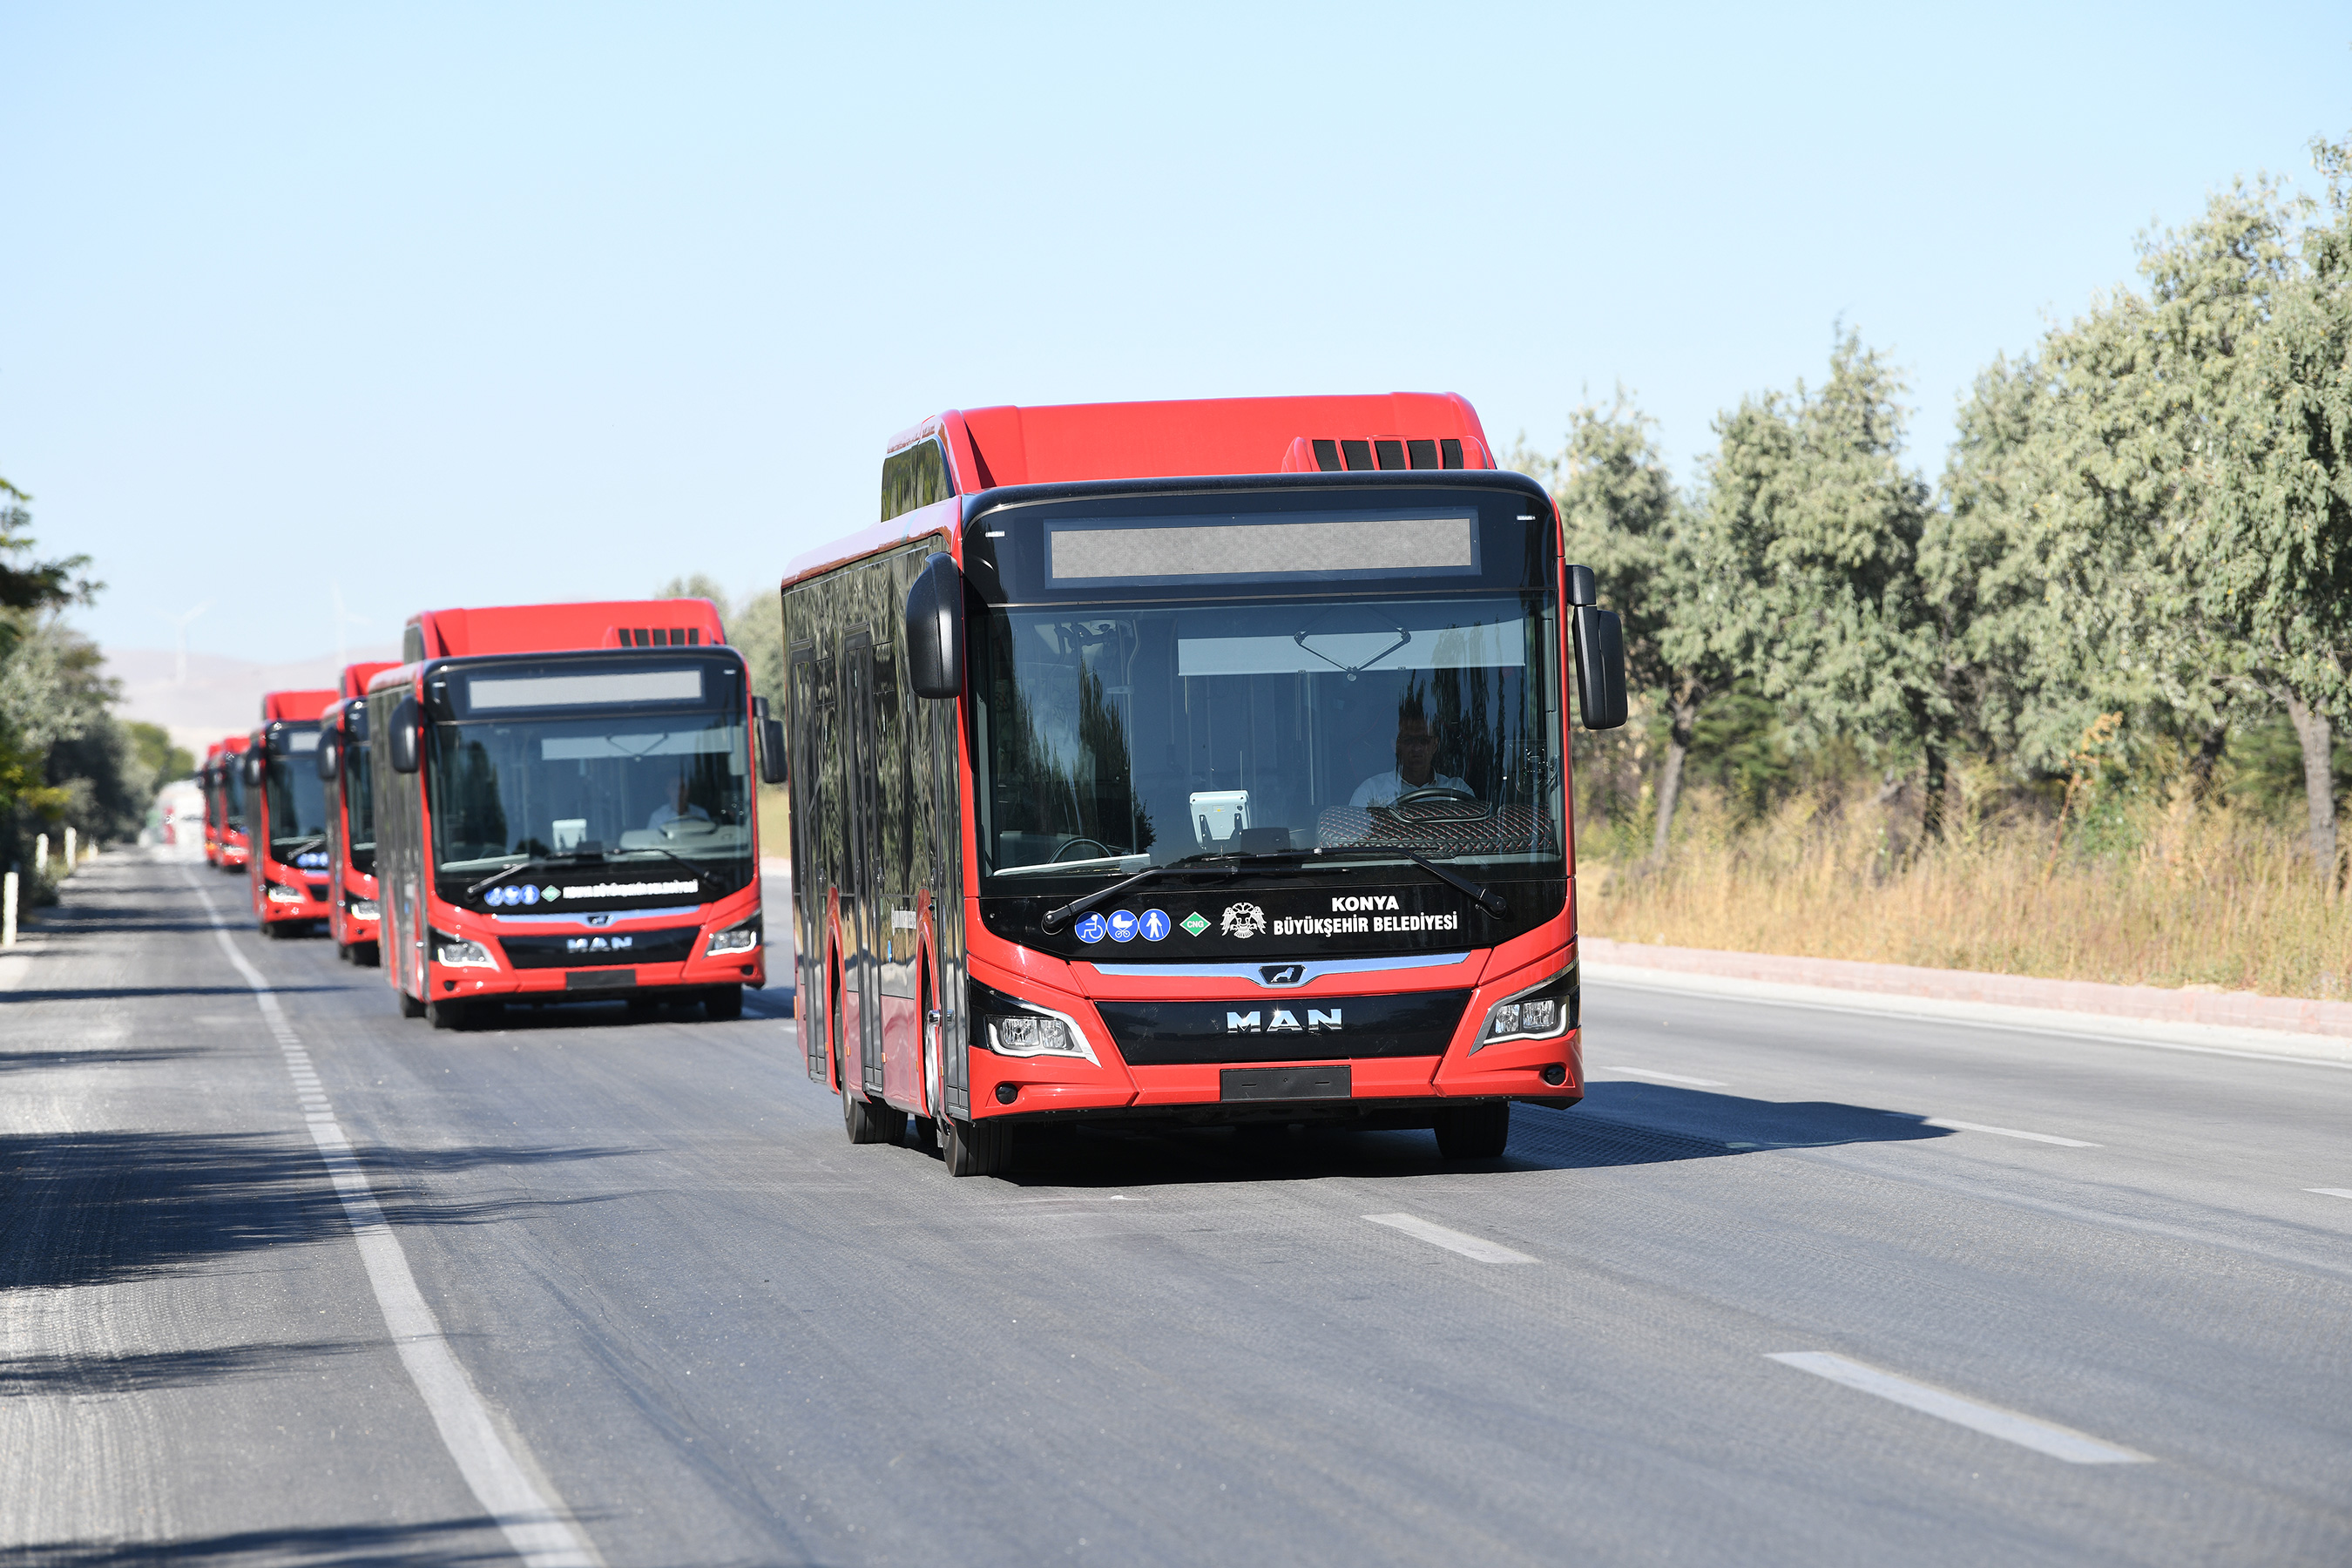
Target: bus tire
(410, 1007)
(721, 1002)
(984, 1149)
(449, 1015)
(927, 1135)
(1474, 1131)
(869, 1121)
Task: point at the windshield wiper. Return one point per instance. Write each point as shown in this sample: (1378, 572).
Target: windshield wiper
(1493, 902)
(1212, 864)
(304, 845)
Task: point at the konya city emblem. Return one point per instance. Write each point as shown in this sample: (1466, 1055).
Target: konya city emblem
(1244, 919)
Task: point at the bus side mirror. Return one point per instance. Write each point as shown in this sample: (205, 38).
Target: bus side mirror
(252, 767)
(406, 716)
(331, 758)
(935, 629)
(773, 761)
(1600, 667)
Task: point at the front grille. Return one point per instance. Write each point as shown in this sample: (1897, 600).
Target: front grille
(671, 944)
(1283, 1029)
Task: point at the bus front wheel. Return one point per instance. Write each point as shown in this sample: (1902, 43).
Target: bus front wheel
(410, 1007)
(982, 1149)
(721, 1002)
(1474, 1131)
(868, 1123)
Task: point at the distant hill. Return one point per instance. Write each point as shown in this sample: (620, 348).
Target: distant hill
(221, 696)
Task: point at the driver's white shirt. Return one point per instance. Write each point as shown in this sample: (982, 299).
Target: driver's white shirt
(663, 817)
(1382, 789)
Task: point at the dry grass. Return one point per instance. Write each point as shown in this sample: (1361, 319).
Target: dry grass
(775, 808)
(2161, 893)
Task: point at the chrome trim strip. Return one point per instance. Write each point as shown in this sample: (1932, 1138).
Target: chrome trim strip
(611, 916)
(1313, 969)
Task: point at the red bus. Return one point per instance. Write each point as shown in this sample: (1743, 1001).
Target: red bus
(351, 818)
(226, 845)
(1198, 763)
(563, 810)
(288, 806)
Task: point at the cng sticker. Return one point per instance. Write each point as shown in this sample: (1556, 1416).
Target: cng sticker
(1194, 923)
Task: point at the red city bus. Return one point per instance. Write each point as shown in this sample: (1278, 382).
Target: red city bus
(563, 809)
(351, 818)
(227, 845)
(289, 808)
(1196, 762)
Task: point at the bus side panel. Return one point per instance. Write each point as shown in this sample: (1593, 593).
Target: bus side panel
(399, 856)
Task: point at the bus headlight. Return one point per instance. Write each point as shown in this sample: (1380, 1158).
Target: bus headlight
(363, 909)
(734, 938)
(457, 952)
(1013, 1027)
(1541, 1012)
(280, 894)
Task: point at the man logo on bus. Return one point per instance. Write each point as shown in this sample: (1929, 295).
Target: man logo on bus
(1244, 921)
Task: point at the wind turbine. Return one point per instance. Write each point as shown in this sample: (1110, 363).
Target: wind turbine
(180, 622)
(343, 617)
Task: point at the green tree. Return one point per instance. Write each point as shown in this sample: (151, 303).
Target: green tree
(756, 627)
(1811, 542)
(1623, 518)
(2269, 560)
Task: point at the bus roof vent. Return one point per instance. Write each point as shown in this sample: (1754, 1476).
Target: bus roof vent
(654, 637)
(1333, 455)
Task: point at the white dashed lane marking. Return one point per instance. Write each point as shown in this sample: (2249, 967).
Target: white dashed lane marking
(1662, 1076)
(2332, 1192)
(1951, 1126)
(2026, 1431)
(1468, 1245)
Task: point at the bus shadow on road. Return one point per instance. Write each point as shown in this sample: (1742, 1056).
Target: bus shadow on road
(94, 1208)
(441, 1543)
(1618, 1125)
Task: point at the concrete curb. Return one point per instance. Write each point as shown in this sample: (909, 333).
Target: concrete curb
(2284, 1028)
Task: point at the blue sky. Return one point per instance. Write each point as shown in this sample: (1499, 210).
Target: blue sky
(489, 303)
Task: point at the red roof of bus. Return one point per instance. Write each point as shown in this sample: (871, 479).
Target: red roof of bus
(293, 704)
(1074, 441)
(1012, 446)
(550, 628)
(357, 676)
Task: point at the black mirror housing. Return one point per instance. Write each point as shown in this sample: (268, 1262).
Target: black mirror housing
(935, 629)
(774, 767)
(253, 767)
(402, 744)
(1600, 667)
(331, 756)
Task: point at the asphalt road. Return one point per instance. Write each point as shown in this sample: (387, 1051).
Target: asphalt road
(285, 1277)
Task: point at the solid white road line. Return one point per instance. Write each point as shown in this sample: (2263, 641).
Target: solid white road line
(1667, 1077)
(1485, 1251)
(1950, 1125)
(539, 1529)
(2042, 1436)
(2332, 1192)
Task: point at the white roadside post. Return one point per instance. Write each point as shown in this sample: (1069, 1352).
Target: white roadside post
(71, 861)
(8, 911)
(41, 853)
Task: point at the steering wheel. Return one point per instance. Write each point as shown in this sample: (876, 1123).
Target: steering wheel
(1434, 792)
(1107, 851)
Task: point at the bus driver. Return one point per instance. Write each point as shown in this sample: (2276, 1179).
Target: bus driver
(1416, 759)
(675, 808)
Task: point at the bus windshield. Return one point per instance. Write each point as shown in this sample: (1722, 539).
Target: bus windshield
(297, 799)
(1121, 735)
(359, 805)
(595, 763)
(232, 791)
